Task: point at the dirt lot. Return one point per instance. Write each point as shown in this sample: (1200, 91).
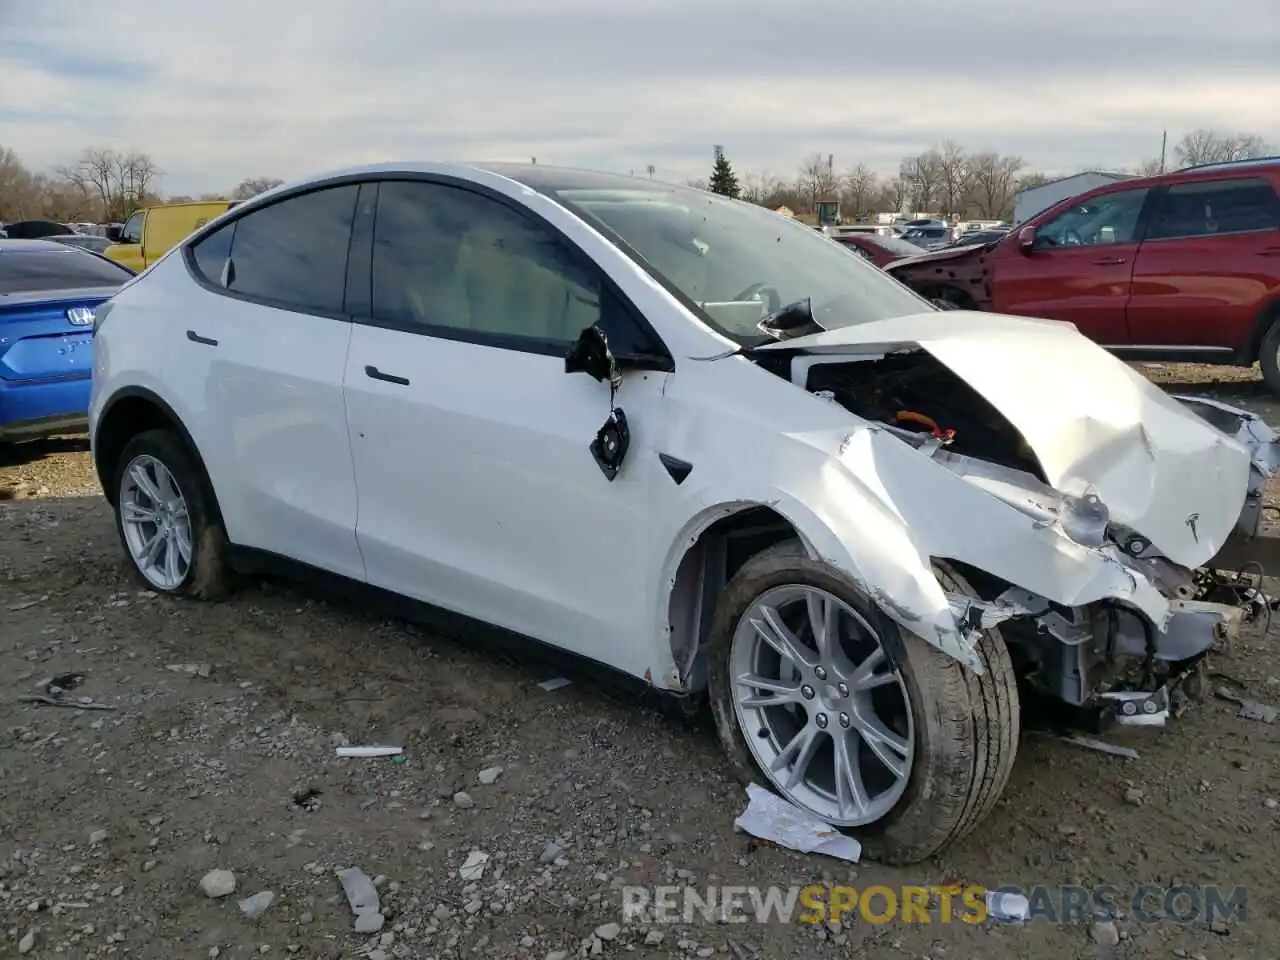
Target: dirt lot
(220, 755)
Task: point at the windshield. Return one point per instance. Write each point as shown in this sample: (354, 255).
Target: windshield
(738, 262)
(36, 271)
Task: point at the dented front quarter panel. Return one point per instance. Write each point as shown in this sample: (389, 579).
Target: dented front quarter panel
(967, 269)
(865, 502)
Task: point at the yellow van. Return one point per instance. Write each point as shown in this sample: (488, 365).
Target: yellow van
(153, 231)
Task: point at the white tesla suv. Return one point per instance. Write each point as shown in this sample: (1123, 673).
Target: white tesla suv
(689, 439)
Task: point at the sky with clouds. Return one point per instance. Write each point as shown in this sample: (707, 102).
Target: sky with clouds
(219, 91)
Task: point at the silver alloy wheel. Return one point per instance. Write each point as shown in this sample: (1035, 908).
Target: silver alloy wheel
(823, 711)
(155, 521)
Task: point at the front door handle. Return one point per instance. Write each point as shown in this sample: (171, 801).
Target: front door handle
(377, 374)
(196, 338)
(1110, 261)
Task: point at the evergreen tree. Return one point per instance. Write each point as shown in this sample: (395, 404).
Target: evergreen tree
(723, 180)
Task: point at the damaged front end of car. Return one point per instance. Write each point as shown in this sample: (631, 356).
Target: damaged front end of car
(1104, 580)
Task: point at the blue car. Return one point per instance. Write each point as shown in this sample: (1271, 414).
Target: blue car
(48, 294)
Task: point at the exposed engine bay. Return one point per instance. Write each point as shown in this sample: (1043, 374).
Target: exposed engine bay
(1092, 665)
(914, 392)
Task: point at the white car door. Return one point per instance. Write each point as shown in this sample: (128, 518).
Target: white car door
(478, 491)
(264, 351)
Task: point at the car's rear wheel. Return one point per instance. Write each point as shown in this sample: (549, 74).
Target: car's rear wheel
(1269, 356)
(817, 693)
(167, 519)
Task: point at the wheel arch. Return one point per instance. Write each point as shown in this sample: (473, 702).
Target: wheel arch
(129, 412)
(1269, 314)
(716, 542)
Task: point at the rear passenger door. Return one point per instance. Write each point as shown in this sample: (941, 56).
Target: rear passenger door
(263, 349)
(1209, 264)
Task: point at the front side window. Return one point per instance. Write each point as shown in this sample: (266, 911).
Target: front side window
(445, 258)
(1105, 219)
(131, 232)
(292, 253)
(1211, 207)
(736, 261)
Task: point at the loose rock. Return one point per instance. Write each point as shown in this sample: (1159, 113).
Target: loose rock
(218, 883)
(490, 775)
(1104, 933)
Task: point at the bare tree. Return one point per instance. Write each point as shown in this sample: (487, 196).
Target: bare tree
(17, 193)
(697, 184)
(1209, 146)
(1149, 168)
(817, 180)
(953, 173)
(119, 181)
(924, 173)
(861, 186)
(896, 193)
(993, 183)
(762, 188)
(252, 186)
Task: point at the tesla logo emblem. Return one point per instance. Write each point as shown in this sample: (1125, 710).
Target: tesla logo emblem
(1191, 525)
(80, 316)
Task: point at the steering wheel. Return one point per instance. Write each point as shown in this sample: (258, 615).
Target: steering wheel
(1072, 238)
(773, 299)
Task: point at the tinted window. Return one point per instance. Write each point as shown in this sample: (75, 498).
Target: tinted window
(447, 257)
(1211, 207)
(210, 254)
(294, 253)
(1105, 219)
(32, 271)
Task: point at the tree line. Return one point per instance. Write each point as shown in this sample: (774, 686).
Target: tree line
(106, 185)
(947, 179)
(99, 186)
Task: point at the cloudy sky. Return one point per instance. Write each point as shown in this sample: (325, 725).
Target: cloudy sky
(220, 91)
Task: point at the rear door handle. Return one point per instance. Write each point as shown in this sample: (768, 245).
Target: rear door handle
(1110, 261)
(377, 374)
(196, 338)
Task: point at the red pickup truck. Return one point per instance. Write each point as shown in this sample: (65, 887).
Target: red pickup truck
(1182, 267)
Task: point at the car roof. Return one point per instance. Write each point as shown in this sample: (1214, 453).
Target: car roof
(537, 176)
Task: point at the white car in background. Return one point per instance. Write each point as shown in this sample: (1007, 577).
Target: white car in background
(687, 438)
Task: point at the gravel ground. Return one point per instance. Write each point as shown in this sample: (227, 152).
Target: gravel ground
(220, 756)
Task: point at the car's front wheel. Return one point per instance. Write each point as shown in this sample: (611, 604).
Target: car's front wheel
(167, 518)
(818, 693)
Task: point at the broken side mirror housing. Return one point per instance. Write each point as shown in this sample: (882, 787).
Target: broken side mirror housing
(591, 354)
(1026, 239)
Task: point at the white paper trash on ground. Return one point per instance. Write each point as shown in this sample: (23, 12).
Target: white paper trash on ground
(1008, 907)
(772, 818)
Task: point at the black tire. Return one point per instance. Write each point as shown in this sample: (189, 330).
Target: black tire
(208, 576)
(1268, 358)
(966, 725)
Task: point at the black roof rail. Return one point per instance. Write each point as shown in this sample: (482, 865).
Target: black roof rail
(1229, 164)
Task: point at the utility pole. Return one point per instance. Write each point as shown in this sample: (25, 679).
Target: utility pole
(717, 152)
(1164, 143)
(650, 169)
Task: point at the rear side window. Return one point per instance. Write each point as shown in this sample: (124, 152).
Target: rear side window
(1211, 207)
(291, 254)
(31, 271)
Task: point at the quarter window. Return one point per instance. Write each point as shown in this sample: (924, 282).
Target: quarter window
(210, 254)
(1211, 207)
(1102, 220)
(445, 258)
(292, 253)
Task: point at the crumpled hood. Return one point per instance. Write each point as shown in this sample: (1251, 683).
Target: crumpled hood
(935, 256)
(1091, 420)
